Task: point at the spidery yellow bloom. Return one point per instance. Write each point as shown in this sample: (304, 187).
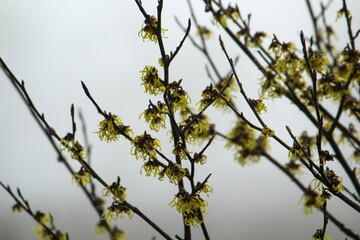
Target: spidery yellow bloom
(82, 177)
(144, 146)
(155, 115)
(259, 105)
(335, 180)
(148, 31)
(178, 97)
(42, 218)
(212, 95)
(193, 126)
(174, 172)
(205, 188)
(189, 206)
(151, 81)
(111, 128)
(116, 210)
(296, 151)
(243, 139)
(318, 62)
(76, 150)
(200, 158)
(181, 151)
(116, 190)
(151, 168)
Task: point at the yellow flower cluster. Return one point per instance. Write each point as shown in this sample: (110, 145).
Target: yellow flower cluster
(243, 139)
(111, 128)
(267, 132)
(296, 152)
(181, 151)
(151, 168)
(148, 31)
(259, 105)
(144, 146)
(190, 206)
(193, 127)
(82, 177)
(45, 234)
(116, 210)
(174, 172)
(116, 190)
(155, 115)
(319, 62)
(74, 148)
(178, 97)
(211, 95)
(200, 158)
(151, 81)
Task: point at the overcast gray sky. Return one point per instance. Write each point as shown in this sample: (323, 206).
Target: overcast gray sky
(53, 45)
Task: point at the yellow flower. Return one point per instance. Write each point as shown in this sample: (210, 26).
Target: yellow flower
(82, 177)
(200, 158)
(116, 210)
(205, 188)
(296, 152)
(193, 127)
(44, 234)
(335, 180)
(189, 206)
(116, 190)
(267, 132)
(319, 62)
(155, 115)
(42, 218)
(144, 146)
(211, 95)
(148, 31)
(181, 151)
(174, 172)
(151, 81)
(178, 97)
(76, 150)
(150, 167)
(111, 128)
(259, 105)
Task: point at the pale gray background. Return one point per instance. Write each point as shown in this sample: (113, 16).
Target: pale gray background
(54, 44)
